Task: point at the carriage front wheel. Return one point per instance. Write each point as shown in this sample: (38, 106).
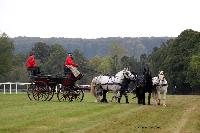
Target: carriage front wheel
(69, 94)
(78, 95)
(63, 94)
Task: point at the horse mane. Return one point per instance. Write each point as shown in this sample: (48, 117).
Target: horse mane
(120, 73)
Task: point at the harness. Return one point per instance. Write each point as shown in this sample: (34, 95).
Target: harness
(161, 84)
(123, 84)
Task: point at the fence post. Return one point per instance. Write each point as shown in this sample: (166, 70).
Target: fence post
(4, 88)
(16, 88)
(10, 88)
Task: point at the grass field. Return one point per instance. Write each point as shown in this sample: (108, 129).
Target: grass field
(18, 114)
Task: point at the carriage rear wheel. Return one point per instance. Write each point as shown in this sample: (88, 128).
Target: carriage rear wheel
(30, 91)
(51, 93)
(41, 92)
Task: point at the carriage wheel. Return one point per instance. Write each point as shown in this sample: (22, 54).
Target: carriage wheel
(78, 95)
(41, 92)
(63, 94)
(51, 93)
(30, 91)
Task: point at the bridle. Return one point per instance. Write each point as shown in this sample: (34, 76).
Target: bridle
(161, 80)
(128, 76)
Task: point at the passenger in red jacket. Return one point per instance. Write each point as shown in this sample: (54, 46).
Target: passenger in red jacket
(30, 61)
(31, 65)
(72, 66)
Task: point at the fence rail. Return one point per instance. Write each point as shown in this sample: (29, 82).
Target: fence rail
(15, 86)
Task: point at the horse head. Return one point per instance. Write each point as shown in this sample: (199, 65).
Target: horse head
(161, 78)
(161, 75)
(129, 75)
(125, 73)
(155, 81)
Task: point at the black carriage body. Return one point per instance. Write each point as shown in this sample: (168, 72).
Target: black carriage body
(43, 87)
(53, 81)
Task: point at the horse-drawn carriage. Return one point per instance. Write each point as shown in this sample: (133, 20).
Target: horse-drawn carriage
(43, 87)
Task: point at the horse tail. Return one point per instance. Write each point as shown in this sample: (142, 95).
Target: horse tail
(93, 89)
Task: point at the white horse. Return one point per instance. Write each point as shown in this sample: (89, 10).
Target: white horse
(110, 83)
(160, 86)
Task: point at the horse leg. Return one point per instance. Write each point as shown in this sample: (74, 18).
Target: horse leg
(143, 98)
(126, 96)
(139, 95)
(164, 98)
(154, 98)
(149, 98)
(159, 97)
(104, 96)
(139, 100)
(120, 96)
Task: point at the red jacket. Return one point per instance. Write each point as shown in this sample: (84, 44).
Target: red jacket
(30, 62)
(69, 61)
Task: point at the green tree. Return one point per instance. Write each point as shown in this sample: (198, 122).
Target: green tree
(194, 71)
(6, 54)
(179, 58)
(131, 63)
(41, 51)
(83, 66)
(105, 65)
(115, 51)
(55, 62)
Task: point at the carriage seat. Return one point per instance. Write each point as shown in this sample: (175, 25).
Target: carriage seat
(67, 71)
(34, 71)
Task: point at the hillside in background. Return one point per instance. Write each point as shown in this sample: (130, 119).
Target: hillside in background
(92, 47)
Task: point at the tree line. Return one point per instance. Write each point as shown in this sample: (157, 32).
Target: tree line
(179, 58)
(91, 47)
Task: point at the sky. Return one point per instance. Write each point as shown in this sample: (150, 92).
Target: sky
(98, 18)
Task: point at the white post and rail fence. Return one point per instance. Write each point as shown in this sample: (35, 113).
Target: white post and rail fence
(10, 87)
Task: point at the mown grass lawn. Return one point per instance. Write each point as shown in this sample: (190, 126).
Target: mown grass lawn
(19, 114)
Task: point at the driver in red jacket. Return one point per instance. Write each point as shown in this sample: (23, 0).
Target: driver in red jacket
(72, 66)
